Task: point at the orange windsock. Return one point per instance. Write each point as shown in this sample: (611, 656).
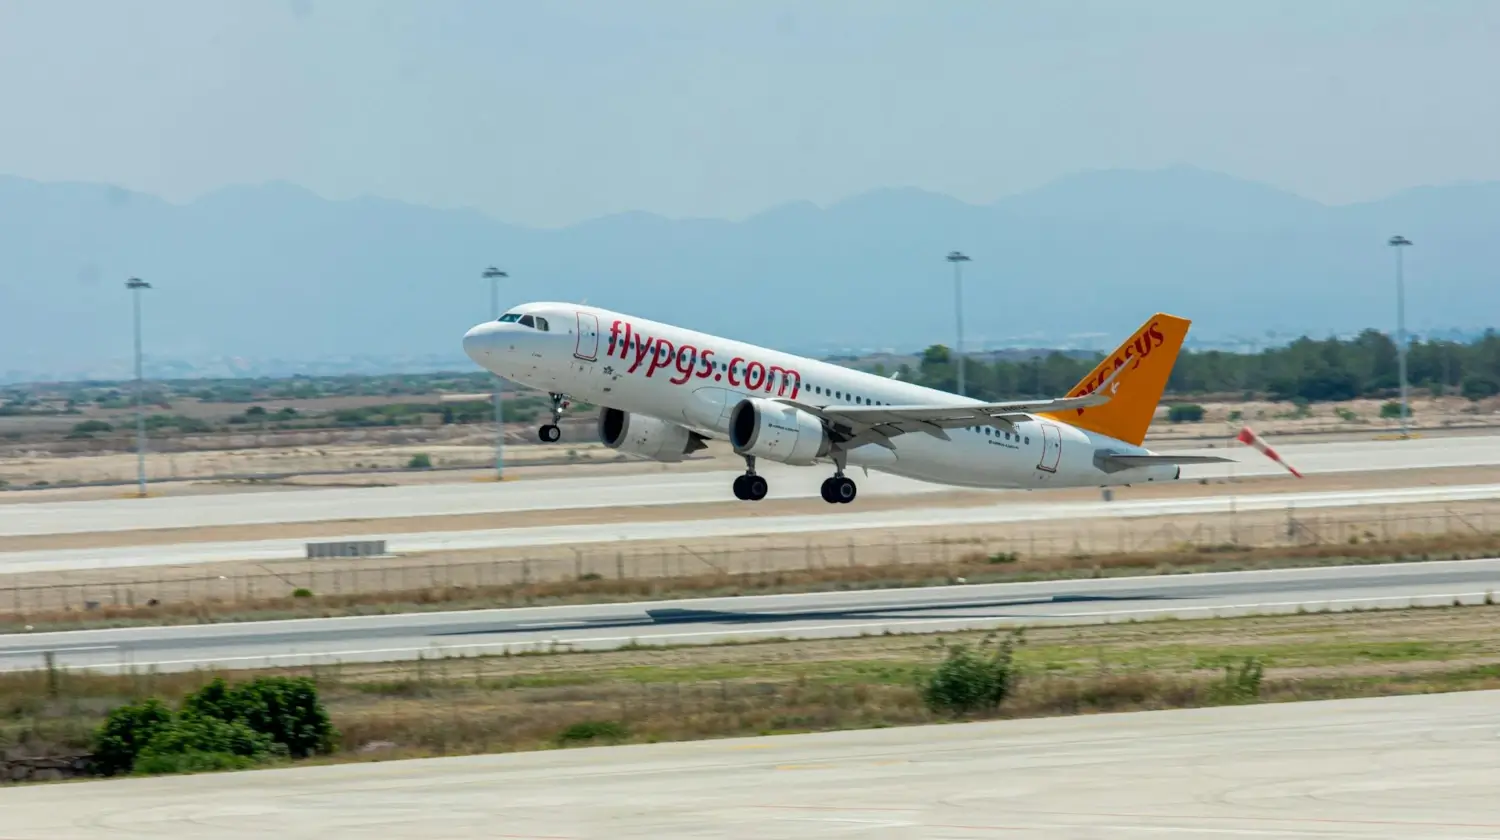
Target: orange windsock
(1250, 438)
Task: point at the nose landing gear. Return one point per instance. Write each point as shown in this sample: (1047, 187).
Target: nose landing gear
(550, 433)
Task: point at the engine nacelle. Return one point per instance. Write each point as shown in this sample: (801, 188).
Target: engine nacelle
(777, 432)
(647, 437)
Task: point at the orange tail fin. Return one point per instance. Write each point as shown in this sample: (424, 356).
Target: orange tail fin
(1151, 352)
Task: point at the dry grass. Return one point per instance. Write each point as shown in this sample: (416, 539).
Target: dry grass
(466, 706)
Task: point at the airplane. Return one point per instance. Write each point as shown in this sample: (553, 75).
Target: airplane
(665, 391)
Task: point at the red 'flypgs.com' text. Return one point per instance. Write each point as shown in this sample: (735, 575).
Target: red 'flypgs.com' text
(689, 362)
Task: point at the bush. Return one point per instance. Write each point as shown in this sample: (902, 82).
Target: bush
(1186, 413)
(1240, 685)
(970, 680)
(91, 426)
(1392, 411)
(126, 732)
(197, 742)
(593, 730)
(220, 727)
(285, 709)
(1480, 386)
(419, 461)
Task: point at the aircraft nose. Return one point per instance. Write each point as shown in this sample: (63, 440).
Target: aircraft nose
(481, 340)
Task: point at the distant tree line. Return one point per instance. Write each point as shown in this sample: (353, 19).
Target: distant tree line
(1308, 370)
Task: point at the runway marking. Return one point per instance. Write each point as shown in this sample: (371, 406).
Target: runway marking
(721, 636)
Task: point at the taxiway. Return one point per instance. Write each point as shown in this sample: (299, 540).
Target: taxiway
(384, 638)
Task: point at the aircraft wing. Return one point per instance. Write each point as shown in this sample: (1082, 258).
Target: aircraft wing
(859, 424)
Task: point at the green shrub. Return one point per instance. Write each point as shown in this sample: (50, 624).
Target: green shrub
(419, 461)
(1240, 685)
(126, 732)
(152, 763)
(1186, 413)
(593, 730)
(285, 709)
(220, 727)
(1479, 386)
(1392, 411)
(199, 742)
(972, 680)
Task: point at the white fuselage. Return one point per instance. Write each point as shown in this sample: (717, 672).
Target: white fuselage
(694, 379)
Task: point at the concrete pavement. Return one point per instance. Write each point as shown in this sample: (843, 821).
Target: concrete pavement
(323, 505)
(707, 621)
(1391, 768)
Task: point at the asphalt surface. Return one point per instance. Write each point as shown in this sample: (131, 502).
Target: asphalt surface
(706, 621)
(322, 505)
(1390, 768)
(842, 518)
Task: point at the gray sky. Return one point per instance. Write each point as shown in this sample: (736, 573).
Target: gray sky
(545, 113)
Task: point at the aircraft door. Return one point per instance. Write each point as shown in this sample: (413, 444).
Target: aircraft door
(587, 347)
(1051, 448)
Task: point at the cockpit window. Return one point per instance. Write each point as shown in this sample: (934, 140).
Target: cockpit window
(541, 324)
(528, 321)
(510, 317)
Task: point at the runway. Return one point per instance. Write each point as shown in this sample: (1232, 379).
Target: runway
(839, 519)
(322, 505)
(1390, 768)
(706, 621)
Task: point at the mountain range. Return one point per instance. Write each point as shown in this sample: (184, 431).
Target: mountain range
(249, 274)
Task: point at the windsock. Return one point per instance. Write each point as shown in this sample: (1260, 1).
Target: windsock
(1250, 438)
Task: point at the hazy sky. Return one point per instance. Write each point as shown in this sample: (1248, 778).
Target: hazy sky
(549, 112)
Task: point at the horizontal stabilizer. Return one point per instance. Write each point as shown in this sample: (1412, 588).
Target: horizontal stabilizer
(1115, 463)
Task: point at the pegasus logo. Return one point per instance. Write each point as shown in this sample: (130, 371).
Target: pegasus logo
(1138, 348)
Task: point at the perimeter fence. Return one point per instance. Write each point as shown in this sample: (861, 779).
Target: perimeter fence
(1014, 543)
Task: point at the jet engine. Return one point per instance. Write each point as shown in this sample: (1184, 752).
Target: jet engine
(647, 437)
(777, 432)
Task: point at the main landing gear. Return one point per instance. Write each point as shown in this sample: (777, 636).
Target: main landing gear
(550, 433)
(839, 489)
(750, 487)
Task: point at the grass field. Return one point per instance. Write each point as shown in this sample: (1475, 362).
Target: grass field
(466, 706)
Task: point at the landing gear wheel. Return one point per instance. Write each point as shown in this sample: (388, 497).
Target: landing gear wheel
(839, 490)
(750, 487)
(549, 433)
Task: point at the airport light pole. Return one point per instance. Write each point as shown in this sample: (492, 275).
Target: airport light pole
(1398, 242)
(136, 285)
(958, 259)
(494, 275)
